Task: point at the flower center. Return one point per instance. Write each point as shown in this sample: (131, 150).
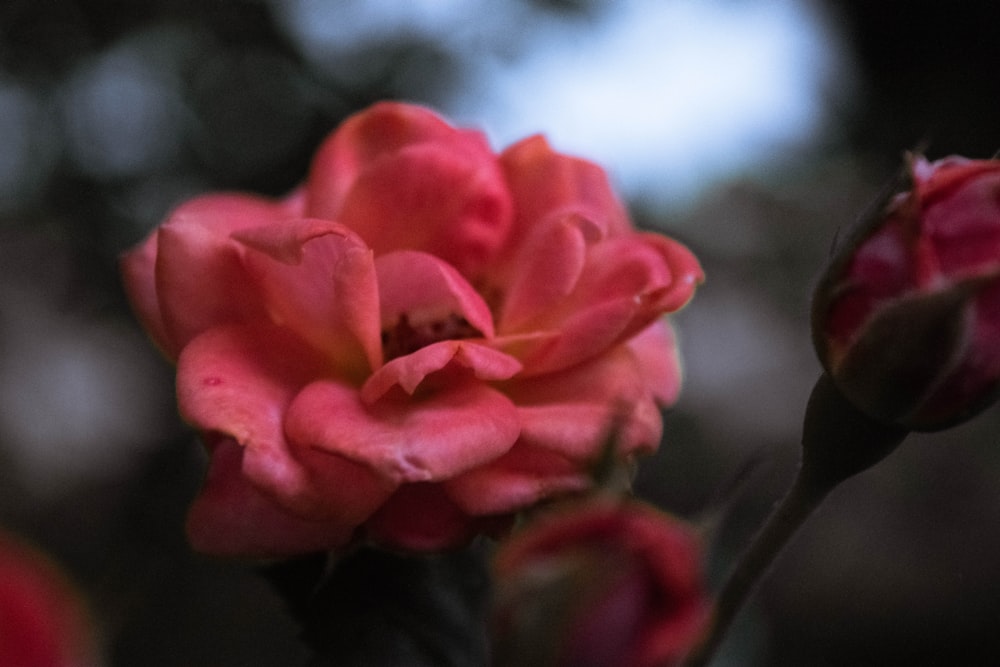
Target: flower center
(405, 338)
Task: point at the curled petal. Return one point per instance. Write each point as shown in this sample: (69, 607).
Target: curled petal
(657, 273)
(319, 280)
(545, 270)
(583, 335)
(545, 183)
(230, 517)
(459, 356)
(442, 291)
(685, 271)
(283, 240)
(423, 440)
(239, 381)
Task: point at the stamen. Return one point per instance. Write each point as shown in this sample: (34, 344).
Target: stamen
(404, 338)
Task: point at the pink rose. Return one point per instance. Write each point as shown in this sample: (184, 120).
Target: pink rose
(422, 339)
(907, 318)
(600, 583)
(43, 622)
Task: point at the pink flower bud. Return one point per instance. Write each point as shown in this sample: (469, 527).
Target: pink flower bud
(906, 319)
(601, 583)
(42, 619)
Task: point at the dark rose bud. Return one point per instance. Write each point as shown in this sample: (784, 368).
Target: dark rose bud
(906, 320)
(599, 583)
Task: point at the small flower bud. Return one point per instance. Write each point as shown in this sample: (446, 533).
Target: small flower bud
(906, 319)
(599, 583)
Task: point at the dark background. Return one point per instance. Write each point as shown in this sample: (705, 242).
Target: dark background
(899, 567)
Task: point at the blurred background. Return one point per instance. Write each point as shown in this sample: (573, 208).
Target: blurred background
(749, 129)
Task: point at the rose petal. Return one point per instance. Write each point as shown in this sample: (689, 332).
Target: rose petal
(657, 273)
(420, 517)
(626, 284)
(545, 270)
(442, 291)
(566, 420)
(319, 279)
(227, 212)
(462, 357)
(230, 517)
(431, 197)
(201, 283)
(545, 183)
(429, 439)
(138, 268)
(187, 276)
(964, 224)
(520, 478)
(572, 412)
(239, 381)
(655, 350)
(381, 129)
(576, 340)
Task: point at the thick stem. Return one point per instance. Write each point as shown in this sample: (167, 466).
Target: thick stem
(838, 441)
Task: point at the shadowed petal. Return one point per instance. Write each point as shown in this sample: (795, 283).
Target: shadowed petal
(520, 478)
(427, 289)
(420, 517)
(230, 517)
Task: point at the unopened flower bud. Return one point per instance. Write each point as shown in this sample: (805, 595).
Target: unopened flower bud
(599, 583)
(906, 319)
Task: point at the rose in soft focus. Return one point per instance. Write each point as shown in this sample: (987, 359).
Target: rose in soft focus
(43, 621)
(907, 318)
(422, 339)
(601, 582)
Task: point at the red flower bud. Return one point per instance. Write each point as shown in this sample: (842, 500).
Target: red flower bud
(602, 583)
(906, 319)
(43, 622)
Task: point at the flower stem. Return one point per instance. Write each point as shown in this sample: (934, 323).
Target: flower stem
(838, 441)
